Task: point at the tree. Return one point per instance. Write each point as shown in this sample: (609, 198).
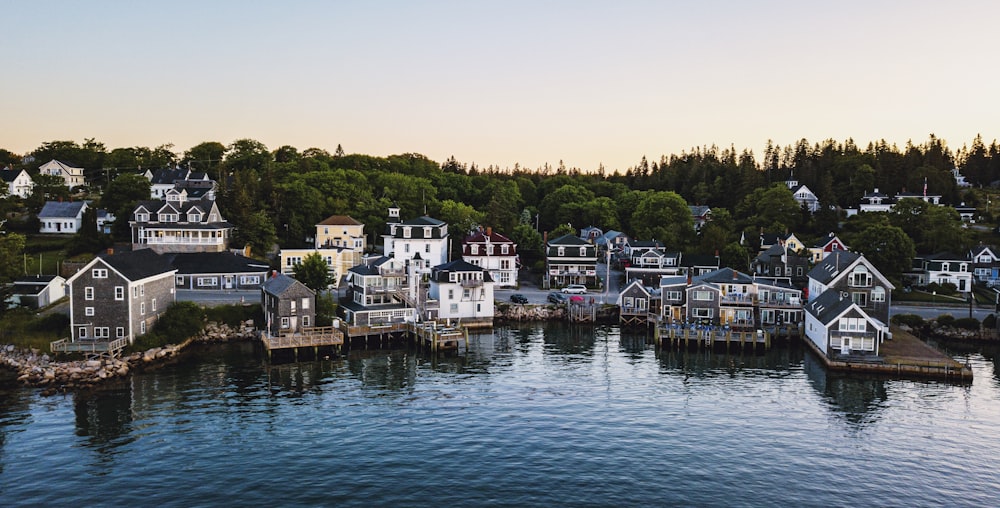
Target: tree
(205, 157)
(47, 188)
(562, 230)
(258, 232)
(665, 217)
(773, 209)
(244, 154)
(313, 272)
(527, 239)
(461, 218)
(887, 247)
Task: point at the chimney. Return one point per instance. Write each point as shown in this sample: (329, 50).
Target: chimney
(489, 231)
(111, 251)
(735, 274)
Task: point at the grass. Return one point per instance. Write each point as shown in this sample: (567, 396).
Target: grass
(44, 253)
(22, 328)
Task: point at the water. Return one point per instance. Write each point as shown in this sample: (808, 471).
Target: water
(532, 415)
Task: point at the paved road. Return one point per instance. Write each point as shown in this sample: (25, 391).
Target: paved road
(537, 295)
(931, 311)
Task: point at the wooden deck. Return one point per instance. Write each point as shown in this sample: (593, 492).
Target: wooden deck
(710, 337)
(315, 337)
(90, 347)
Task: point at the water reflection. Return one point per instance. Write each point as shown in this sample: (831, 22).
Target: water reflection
(777, 361)
(14, 408)
(105, 418)
(569, 339)
(858, 399)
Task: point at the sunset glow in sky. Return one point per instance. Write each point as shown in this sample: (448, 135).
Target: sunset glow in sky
(499, 82)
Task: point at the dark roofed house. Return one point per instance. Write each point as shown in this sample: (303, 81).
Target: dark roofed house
(570, 260)
(217, 271)
(289, 306)
(64, 217)
(119, 296)
(36, 291)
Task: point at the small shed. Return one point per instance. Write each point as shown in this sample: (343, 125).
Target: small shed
(36, 291)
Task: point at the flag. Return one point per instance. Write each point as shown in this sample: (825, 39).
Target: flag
(925, 186)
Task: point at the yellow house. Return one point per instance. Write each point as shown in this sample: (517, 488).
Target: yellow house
(340, 231)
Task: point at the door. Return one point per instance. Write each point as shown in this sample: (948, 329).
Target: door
(229, 282)
(845, 345)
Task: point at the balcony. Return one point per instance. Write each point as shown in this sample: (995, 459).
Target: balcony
(737, 299)
(471, 283)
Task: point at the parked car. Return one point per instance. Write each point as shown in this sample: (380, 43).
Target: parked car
(575, 289)
(576, 299)
(557, 298)
(518, 298)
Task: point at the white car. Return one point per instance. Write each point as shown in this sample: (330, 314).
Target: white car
(575, 289)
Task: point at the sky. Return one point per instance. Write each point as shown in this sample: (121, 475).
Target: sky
(588, 83)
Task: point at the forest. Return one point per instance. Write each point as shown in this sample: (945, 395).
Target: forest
(276, 196)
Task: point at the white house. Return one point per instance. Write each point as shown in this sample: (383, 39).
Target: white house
(425, 238)
(62, 217)
(36, 291)
(18, 182)
(463, 290)
(72, 176)
(836, 325)
(494, 252)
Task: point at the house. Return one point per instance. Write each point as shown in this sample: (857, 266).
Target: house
(495, 253)
(18, 182)
(804, 196)
(570, 260)
(377, 293)
(699, 264)
(178, 224)
(591, 234)
(722, 297)
(163, 180)
(217, 271)
(611, 241)
(62, 217)
(341, 231)
(700, 215)
(946, 268)
(985, 265)
(635, 248)
(289, 306)
(853, 277)
(463, 291)
(36, 291)
(782, 261)
(105, 221)
(966, 213)
(673, 298)
(649, 265)
(838, 326)
(777, 303)
(119, 296)
(635, 303)
(959, 178)
(72, 176)
(424, 237)
(825, 246)
(340, 241)
(876, 201)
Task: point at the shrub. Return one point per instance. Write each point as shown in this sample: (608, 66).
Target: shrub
(967, 324)
(990, 322)
(180, 321)
(233, 315)
(946, 320)
(911, 320)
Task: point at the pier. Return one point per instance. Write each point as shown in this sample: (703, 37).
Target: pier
(90, 348)
(676, 335)
(315, 338)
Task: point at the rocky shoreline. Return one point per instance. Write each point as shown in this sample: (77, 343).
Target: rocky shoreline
(40, 370)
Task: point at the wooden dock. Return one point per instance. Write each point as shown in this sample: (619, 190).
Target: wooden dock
(314, 337)
(710, 336)
(437, 336)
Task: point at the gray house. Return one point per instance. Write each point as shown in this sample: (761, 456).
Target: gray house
(289, 306)
(119, 296)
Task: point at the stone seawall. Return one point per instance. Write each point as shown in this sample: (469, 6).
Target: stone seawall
(37, 369)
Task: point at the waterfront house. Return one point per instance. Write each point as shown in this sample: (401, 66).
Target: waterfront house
(493, 252)
(377, 293)
(62, 217)
(425, 238)
(732, 302)
(635, 303)
(72, 176)
(179, 224)
(341, 231)
(119, 296)
(781, 261)
(217, 271)
(778, 303)
(463, 291)
(289, 306)
(824, 246)
(985, 265)
(36, 291)
(853, 277)
(17, 181)
(837, 326)
(652, 264)
(673, 298)
(570, 260)
(636, 248)
(339, 241)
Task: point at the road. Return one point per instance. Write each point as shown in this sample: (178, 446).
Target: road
(537, 295)
(932, 311)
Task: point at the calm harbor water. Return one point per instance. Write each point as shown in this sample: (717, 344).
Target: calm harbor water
(531, 415)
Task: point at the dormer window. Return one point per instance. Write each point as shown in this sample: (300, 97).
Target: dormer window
(167, 217)
(427, 232)
(407, 232)
(504, 249)
(583, 251)
(142, 217)
(562, 251)
(475, 250)
(194, 217)
(860, 277)
(945, 266)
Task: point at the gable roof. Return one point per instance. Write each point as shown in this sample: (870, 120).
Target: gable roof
(569, 239)
(423, 221)
(829, 306)
(215, 262)
(167, 176)
(339, 220)
(9, 175)
(280, 283)
(725, 276)
(63, 209)
(139, 264)
(834, 264)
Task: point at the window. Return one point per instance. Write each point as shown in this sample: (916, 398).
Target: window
(583, 251)
(465, 293)
(142, 290)
(88, 311)
(194, 217)
(120, 332)
(704, 296)
(427, 232)
(451, 294)
(798, 271)
(101, 332)
(82, 333)
(878, 294)
(99, 273)
(305, 303)
(208, 281)
(861, 299)
(305, 320)
(701, 313)
(250, 279)
(562, 251)
(406, 248)
(673, 295)
(142, 217)
(860, 278)
(852, 325)
(152, 304)
(142, 308)
(454, 307)
(88, 293)
(119, 293)
(180, 280)
(406, 232)
(142, 327)
(504, 249)
(628, 301)
(284, 322)
(135, 291)
(293, 306)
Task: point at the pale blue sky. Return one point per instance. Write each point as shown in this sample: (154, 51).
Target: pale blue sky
(499, 82)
